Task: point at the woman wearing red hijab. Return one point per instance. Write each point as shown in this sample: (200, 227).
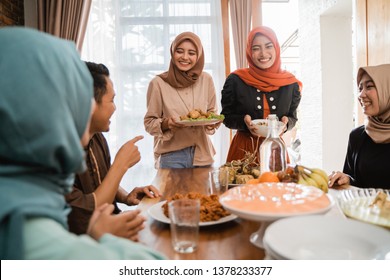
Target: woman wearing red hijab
(257, 91)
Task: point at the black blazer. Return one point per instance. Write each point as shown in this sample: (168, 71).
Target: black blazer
(240, 99)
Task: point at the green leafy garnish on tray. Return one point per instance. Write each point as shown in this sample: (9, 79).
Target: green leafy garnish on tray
(212, 116)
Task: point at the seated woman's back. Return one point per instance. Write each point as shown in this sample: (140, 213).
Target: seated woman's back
(46, 98)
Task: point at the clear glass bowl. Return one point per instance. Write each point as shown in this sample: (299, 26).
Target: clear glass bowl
(357, 204)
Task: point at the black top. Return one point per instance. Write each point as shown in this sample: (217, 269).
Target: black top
(240, 99)
(367, 162)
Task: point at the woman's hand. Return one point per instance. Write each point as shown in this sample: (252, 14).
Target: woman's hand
(284, 120)
(251, 126)
(338, 178)
(170, 124)
(135, 196)
(212, 127)
(126, 224)
(173, 125)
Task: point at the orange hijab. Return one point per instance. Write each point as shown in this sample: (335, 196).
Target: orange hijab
(269, 79)
(180, 79)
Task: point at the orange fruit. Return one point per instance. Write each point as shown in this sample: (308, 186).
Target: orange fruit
(252, 181)
(267, 177)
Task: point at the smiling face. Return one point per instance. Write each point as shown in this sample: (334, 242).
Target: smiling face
(368, 96)
(185, 56)
(263, 52)
(104, 110)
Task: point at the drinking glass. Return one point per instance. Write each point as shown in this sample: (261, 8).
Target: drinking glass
(184, 216)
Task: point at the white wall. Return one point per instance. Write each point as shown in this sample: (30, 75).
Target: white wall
(337, 89)
(326, 110)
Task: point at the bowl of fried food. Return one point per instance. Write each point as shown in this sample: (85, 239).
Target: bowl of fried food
(262, 127)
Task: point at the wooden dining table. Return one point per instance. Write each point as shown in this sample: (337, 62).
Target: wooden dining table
(224, 241)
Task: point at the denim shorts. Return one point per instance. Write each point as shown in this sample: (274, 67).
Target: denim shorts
(178, 159)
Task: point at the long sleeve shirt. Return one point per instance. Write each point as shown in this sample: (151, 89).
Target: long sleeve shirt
(367, 162)
(46, 239)
(82, 198)
(240, 99)
(164, 101)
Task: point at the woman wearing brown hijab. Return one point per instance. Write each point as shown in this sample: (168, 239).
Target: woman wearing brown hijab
(367, 161)
(257, 91)
(183, 88)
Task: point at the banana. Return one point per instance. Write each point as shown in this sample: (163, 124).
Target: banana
(317, 175)
(310, 181)
(320, 181)
(320, 172)
(302, 181)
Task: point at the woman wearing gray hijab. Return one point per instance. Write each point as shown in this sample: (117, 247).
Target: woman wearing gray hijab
(45, 106)
(367, 160)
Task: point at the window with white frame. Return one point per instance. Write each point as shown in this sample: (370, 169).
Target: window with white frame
(132, 38)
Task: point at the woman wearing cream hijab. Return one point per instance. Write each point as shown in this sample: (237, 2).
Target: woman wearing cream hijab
(45, 104)
(367, 161)
(174, 93)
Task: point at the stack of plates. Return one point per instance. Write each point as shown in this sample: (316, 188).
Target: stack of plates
(318, 237)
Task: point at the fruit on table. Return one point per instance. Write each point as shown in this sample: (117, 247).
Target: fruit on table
(290, 175)
(269, 177)
(300, 174)
(312, 177)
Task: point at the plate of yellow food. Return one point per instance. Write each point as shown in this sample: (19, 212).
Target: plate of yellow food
(367, 205)
(211, 211)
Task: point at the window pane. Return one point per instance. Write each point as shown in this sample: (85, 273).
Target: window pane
(142, 45)
(136, 8)
(133, 38)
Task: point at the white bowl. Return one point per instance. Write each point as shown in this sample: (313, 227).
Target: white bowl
(272, 201)
(262, 127)
(268, 202)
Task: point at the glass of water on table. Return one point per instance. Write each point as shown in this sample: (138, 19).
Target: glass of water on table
(184, 217)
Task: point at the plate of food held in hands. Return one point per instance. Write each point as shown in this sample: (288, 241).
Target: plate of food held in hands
(211, 210)
(197, 117)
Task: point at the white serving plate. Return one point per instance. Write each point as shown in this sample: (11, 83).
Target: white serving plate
(200, 122)
(319, 237)
(157, 213)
